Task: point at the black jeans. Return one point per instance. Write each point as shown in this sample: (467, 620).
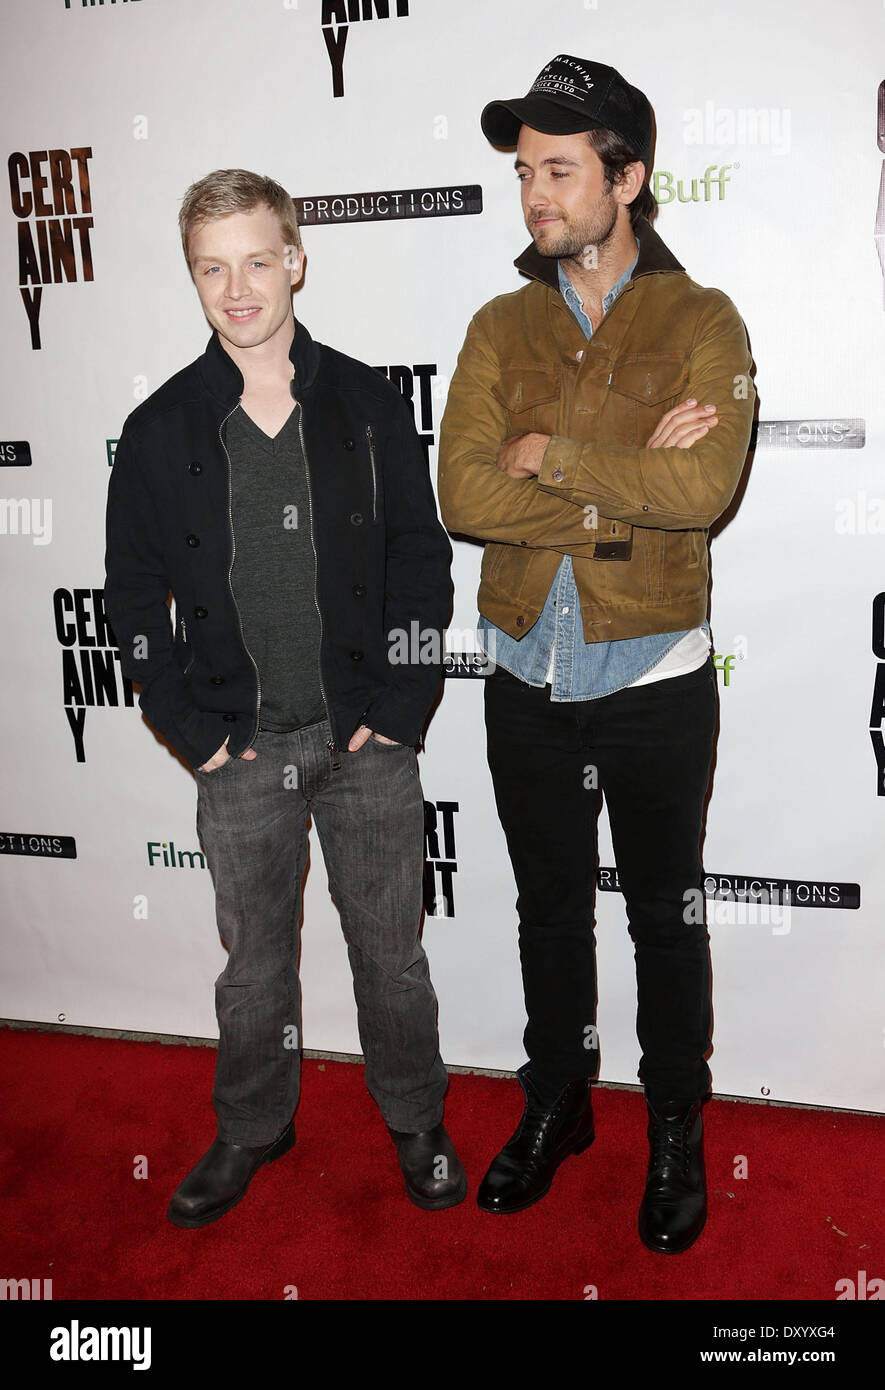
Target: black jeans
(648, 751)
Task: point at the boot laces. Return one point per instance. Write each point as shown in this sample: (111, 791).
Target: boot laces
(670, 1147)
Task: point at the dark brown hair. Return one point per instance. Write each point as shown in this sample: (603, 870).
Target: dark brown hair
(615, 155)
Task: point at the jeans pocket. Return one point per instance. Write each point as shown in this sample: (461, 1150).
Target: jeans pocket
(214, 771)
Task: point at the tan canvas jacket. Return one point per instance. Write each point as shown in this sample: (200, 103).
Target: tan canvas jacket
(526, 366)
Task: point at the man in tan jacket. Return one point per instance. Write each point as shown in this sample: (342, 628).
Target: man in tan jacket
(597, 424)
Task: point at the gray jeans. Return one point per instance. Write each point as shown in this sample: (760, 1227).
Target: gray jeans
(252, 823)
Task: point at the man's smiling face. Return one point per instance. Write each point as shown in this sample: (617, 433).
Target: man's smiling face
(239, 266)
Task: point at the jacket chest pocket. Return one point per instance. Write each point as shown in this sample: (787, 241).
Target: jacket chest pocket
(182, 647)
(372, 445)
(531, 397)
(640, 390)
(355, 483)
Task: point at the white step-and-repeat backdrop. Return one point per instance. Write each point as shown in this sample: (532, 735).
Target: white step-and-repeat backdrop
(769, 172)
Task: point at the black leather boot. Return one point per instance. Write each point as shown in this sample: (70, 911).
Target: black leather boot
(674, 1207)
(432, 1170)
(221, 1178)
(524, 1169)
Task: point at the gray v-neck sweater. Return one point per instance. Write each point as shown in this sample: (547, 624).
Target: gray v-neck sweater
(274, 570)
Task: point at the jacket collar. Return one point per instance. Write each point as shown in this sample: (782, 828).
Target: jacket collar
(222, 377)
(653, 256)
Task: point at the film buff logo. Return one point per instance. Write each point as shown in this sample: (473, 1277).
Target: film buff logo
(336, 18)
(90, 659)
(389, 205)
(667, 188)
(52, 200)
(163, 854)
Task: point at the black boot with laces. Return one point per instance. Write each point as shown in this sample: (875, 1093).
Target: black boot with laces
(674, 1207)
(548, 1133)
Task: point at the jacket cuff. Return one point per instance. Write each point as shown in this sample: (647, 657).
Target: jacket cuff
(395, 716)
(559, 466)
(197, 737)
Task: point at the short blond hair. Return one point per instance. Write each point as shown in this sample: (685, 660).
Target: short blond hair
(235, 190)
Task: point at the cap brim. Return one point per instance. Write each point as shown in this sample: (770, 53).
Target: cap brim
(501, 120)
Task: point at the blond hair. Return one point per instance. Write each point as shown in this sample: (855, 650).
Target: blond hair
(235, 190)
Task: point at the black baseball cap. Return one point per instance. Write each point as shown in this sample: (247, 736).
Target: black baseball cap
(570, 95)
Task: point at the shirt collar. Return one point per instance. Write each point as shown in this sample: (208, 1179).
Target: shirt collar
(574, 300)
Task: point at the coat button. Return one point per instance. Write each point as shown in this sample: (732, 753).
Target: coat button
(229, 718)
(348, 443)
(195, 467)
(193, 540)
(356, 518)
(217, 680)
(579, 354)
(556, 475)
(201, 612)
(356, 656)
(520, 622)
(359, 591)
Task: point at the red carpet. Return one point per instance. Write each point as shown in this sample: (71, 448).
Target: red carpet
(331, 1217)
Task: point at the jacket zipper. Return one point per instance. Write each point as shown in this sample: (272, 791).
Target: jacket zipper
(330, 742)
(371, 439)
(233, 551)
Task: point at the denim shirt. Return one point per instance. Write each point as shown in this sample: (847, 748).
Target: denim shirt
(581, 670)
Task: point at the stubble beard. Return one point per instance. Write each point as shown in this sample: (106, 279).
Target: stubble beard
(572, 242)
